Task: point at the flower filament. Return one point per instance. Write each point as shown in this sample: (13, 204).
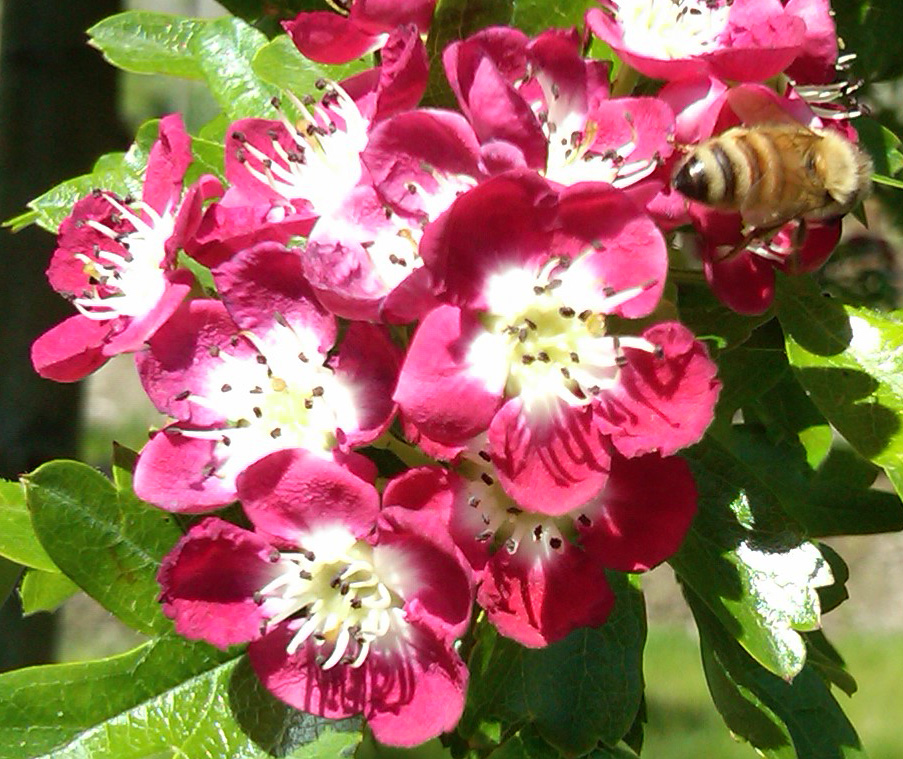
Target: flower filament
(335, 597)
(130, 282)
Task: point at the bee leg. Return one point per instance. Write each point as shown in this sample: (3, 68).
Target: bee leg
(756, 233)
(797, 238)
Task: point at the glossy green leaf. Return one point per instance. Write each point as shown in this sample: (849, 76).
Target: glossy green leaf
(576, 692)
(370, 749)
(121, 173)
(783, 719)
(747, 560)
(712, 321)
(281, 64)
(43, 708)
(828, 663)
(106, 540)
(44, 591)
(883, 146)
(223, 712)
(850, 362)
(147, 42)
(526, 744)
(224, 49)
(18, 541)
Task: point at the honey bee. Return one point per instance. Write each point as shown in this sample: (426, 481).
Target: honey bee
(772, 173)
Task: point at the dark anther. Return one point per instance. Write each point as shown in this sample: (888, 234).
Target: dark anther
(575, 357)
(276, 432)
(567, 312)
(183, 395)
(317, 391)
(260, 358)
(584, 315)
(537, 531)
(527, 359)
(543, 356)
(258, 412)
(485, 456)
(584, 520)
(486, 478)
(555, 543)
(213, 350)
(273, 556)
(473, 502)
(239, 137)
(302, 358)
(225, 388)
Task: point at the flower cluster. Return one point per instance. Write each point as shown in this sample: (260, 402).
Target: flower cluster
(478, 293)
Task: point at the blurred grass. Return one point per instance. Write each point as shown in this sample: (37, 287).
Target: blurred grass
(683, 722)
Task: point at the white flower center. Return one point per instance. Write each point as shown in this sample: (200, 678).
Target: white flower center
(548, 329)
(672, 29)
(128, 283)
(285, 398)
(332, 591)
(324, 165)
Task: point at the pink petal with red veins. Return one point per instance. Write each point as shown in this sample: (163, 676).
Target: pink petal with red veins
(242, 219)
(403, 73)
(661, 404)
(428, 570)
(643, 513)
(209, 579)
(413, 147)
(550, 464)
(406, 699)
(71, 350)
(646, 122)
(139, 330)
(171, 474)
(815, 65)
(428, 488)
(368, 362)
(180, 358)
(440, 393)
(694, 104)
(498, 112)
(264, 285)
(818, 245)
(292, 492)
(539, 603)
(328, 37)
(169, 158)
(760, 40)
(384, 15)
(502, 223)
(556, 54)
(631, 251)
(191, 211)
(743, 282)
(66, 273)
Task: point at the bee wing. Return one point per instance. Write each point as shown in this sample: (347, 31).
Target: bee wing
(792, 187)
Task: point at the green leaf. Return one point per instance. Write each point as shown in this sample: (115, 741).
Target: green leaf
(44, 591)
(9, 576)
(281, 64)
(827, 662)
(783, 719)
(370, 749)
(224, 49)
(882, 145)
(146, 42)
(850, 363)
(872, 29)
(711, 320)
(747, 560)
(576, 692)
(43, 708)
(18, 541)
(535, 16)
(223, 712)
(122, 173)
(105, 539)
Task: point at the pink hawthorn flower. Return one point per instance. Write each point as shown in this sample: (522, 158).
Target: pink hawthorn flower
(348, 609)
(745, 40)
(364, 261)
(524, 349)
(116, 262)
(745, 280)
(540, 576)
(542, 98)
(255, 374)
(285, 174)
(332, 38)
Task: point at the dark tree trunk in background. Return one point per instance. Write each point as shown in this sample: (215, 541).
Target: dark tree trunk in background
(57, 114)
